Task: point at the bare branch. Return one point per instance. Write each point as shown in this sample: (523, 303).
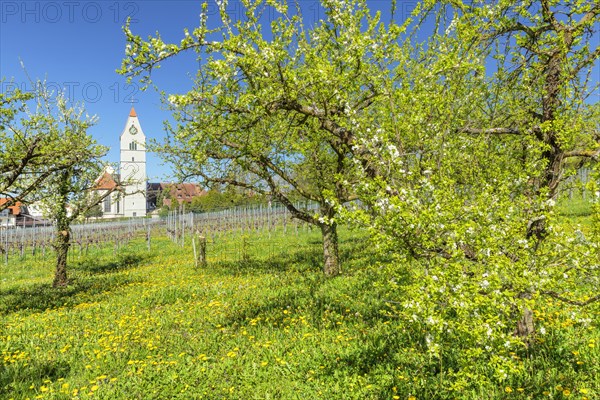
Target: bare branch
(588, 61)
(593, 154)
(491, 131)
(572, 302)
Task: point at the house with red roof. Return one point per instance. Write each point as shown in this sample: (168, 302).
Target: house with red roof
(13, 215)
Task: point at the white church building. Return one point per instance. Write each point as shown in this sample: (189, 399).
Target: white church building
(130, 199)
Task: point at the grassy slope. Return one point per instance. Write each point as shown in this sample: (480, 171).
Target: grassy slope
(149, 325)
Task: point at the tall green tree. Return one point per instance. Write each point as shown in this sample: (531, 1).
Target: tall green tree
(543, 95)
(48, 156)
(69, 193)
(470, 209)
(282, 110)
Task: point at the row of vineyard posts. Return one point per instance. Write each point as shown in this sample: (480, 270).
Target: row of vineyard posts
(198, 228)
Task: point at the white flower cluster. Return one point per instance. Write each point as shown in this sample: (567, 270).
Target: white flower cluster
(451, 26)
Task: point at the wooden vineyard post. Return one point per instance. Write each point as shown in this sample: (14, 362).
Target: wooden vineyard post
(245, 245)
(182, 221)
(200, 251)
(195, 253)
(148, 236)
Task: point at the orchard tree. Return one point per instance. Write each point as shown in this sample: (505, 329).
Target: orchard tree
(48, 156)
(543, 95)
(542, 103)
(68, 194)
(281, 110)
(471, 212)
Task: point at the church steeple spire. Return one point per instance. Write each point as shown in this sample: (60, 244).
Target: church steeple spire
(133, 167)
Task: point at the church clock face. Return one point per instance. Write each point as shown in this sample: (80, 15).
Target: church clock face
(133, 130)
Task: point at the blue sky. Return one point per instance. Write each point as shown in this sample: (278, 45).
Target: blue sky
(77, 45)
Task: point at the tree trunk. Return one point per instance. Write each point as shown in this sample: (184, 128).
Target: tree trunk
(331, 258)
(61, 246)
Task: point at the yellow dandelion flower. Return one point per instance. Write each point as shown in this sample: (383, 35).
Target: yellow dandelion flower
(508, 389)
(566, 392)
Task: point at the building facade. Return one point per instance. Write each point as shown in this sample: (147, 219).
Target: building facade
(131, 194)
(111, 206)
(133, 178)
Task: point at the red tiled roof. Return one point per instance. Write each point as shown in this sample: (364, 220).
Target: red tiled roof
(14, 209)
(182, 192)
(186, 190)
(132, 112)
(106, 181)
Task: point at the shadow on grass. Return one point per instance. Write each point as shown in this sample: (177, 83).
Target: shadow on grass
(122, 262)
(307, 259)
(303, 257)
(36, 372)
(40, 297)
(374, 350)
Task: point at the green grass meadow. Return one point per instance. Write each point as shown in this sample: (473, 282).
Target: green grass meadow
(259, 322)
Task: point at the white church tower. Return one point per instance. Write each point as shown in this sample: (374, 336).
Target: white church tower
(133, 167)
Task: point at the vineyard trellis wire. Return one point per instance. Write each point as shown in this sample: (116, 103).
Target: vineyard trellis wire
(233, 234)
(576, 185)
(36, 241)
(244, 219)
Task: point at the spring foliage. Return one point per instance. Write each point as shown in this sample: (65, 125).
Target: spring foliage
(456, 146)
(48, 156)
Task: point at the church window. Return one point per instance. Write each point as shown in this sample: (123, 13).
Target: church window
(133, 146)
(107, 204)
(132, 159)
